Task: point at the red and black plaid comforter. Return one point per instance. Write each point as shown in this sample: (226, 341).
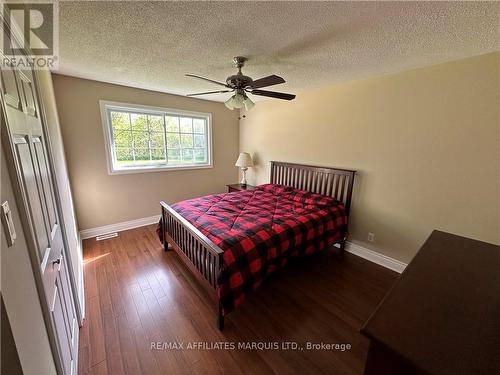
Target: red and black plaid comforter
(258, 230)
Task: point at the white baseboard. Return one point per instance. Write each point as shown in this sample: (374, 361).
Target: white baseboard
(352, 248)
(372, 256)
(118, 227)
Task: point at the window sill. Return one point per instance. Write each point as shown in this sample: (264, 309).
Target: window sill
(158, 169)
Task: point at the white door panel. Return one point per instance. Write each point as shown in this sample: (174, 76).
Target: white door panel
(22, 113)
(27, 170)
(64, 347)
(10, 91)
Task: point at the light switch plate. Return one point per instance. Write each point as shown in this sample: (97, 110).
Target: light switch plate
(8, 224)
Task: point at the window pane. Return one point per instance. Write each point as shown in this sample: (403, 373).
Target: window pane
(172, 123)
(158, 154)
(186, 140)
(146, 137)
(122, 138)
(141, 139)
(199, 141)
(123, 154)
(139, 122)
(174, 156)
(141, 154)
(157, 140)
(186, 125)
(198, 125)
(187, 155)
(200, 156)
(173, 140)
(120, 121)
(155, 123)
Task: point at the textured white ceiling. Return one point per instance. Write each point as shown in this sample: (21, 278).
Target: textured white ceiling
(310, 44)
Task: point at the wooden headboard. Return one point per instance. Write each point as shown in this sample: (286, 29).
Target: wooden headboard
(332, 182)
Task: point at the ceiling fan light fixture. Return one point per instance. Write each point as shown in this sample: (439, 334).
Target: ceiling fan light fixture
(236, 101)
(248, 103)
(241, 84)
(229, 103)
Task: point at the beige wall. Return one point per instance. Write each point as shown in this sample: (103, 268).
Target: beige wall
(102, 199)
(426, 144)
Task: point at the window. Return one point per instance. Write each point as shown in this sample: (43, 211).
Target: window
(141, 138)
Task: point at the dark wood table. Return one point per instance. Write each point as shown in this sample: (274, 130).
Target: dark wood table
(239, 187)
(443, 315)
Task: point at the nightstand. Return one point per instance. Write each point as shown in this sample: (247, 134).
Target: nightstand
(239, 187)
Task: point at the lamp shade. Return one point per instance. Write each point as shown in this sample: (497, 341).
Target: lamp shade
(235, 101)
(244, 160)
(238, 101)
(248, 103)
(229, 103)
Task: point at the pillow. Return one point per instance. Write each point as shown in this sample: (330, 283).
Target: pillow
(298, 195)
(276, 189)
(314, 199)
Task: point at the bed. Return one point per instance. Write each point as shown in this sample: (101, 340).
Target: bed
(232, 241)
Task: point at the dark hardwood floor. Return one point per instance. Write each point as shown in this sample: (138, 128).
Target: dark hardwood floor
(136, 294)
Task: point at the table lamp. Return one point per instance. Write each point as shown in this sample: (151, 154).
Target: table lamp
(244, 162)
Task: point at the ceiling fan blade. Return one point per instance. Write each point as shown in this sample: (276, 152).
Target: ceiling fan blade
(208, 80)
(273, 94)
(267, 81)
(210, 92)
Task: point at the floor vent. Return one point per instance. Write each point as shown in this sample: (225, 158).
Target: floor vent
(106, 236)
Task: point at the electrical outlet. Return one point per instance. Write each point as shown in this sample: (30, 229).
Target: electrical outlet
(371, 237)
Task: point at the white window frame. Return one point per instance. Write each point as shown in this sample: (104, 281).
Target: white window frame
(108, 106)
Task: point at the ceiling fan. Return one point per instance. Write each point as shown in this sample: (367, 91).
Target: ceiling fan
(244, 85)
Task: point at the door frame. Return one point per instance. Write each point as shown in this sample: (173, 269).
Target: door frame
(15, 174)
(50, 160)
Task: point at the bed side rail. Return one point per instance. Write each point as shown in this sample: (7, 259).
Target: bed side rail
(194, 248)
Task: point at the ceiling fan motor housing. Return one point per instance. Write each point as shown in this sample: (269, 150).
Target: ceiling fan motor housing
(239, 81)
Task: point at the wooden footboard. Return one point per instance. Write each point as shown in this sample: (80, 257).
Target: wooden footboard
(200, 255)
